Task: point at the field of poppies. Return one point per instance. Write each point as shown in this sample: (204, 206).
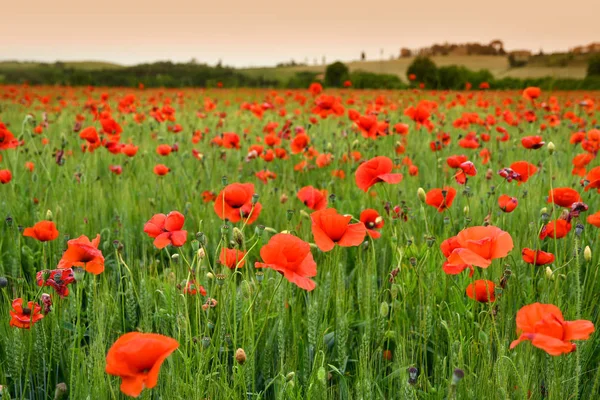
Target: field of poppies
(306, 244)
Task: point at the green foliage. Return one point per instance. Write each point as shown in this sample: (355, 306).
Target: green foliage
(593, 69)
(336, 74)
(301, 79)
(369, 80)
(514, 62)
(425, 71)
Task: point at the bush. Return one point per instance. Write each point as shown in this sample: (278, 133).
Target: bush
(336, 74)
(301, 79)
(594, 66)
(370, 80)
(425, 70)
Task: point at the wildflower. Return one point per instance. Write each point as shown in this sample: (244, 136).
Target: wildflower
(43, 231)
(507, 203)
(329, 228)
(314, 199)
(441, 199)
(24, 317)
(482, 291)
(136, 358)
(290, 256)
(232, 258)
(166, 229)
(376, 170)
(372, 221)
(545, 327)
(82, 252)
(537, 257)
(235, 202)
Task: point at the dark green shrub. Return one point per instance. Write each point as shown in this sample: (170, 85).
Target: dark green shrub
(425, 71)
(336, 74)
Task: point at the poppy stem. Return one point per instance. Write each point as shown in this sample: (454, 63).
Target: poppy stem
(266, 314)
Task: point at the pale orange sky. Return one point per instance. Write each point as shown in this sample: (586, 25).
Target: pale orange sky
(260, 32)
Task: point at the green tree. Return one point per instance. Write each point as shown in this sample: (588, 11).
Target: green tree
(425, 71)
(594, 66)
(336, 74)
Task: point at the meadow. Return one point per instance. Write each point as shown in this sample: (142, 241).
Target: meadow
(301, 244)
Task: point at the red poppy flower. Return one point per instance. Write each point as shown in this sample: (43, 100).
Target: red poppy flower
(44, 231)
(563, 197)
(372, 221)
(208, 196)
(163, 149)
(161, 169)
(312, 198)
(545, 327)
(537, 257)
(532, 93)
(594, 219)
(136, 358)
(376, 170)
(482, 291)
(234, 202)
(524, 170)
(58, 279)
(5, 176)
(24, 317)
(116, 169)
(455, 161)
(555, 229)
(166, 229)
(479, 245)
(593, 177)
(329, 228)
(82, 252)
(129, 150)
(507, 203)
(232, 258)
(7, 139)
(532, 142)
(290, 256)
(441, 199)
(300, 143)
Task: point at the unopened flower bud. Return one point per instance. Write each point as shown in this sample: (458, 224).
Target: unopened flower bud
(60, 391)
(551, 147)
(78, 273)
(290, 376)
(421, 195)
(283, 198)
(238, 237)
(549, 273)
(210, 275)
(201, 253)
(466, 210)
(240, 356)
(587, 253)
(175, 257)
(457, 376)
(384, 309)
(49, 215)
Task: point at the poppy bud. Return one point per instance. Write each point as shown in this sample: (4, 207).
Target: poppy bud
(224, 181)
(210, 275)
(3, 282)
(220, 279)
(384, 309)
(283, 198)
(201, 237)
(457, 376)
(78, 273)
(355, 144)
(413, 375)
(201, 253)
(195, 245)
(304, 214)
(466, 210)
(549, 273)
(290, 214)
(578, 229)
(175, 257)
(238, 237)
(551, 148)
(255, 197)
(421, 195)
(49, 215)
(60, 391)
(260, 276)
(321, 374)
(240, 356)
(290, 376)
(587, 253)
(9, 220)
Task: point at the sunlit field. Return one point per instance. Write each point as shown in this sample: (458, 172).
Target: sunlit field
(309, 244)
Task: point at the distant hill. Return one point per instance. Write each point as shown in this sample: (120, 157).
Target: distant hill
(499, 66)
(83, 65)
